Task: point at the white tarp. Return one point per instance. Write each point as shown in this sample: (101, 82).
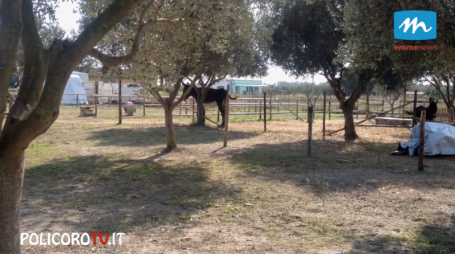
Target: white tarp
(74, 91)
(439, 139)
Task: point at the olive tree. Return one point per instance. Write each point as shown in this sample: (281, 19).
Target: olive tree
(36, 108)
(434, 66)
(307, 40)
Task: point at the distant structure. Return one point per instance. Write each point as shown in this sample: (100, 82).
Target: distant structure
(240, 86)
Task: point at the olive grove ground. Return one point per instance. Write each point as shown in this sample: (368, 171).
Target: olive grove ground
(261, 194)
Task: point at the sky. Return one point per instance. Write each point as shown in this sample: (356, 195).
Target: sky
(67, 20)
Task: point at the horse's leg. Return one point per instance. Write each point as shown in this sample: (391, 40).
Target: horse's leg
(221, 109)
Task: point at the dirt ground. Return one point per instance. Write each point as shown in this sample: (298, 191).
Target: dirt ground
(261, 194)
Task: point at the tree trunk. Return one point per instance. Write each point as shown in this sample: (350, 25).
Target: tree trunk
(200, 106)
(171, 142)
(349, 125)
(11, 181)
(200, 114)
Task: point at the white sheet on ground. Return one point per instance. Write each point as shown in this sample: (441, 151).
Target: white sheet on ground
(439, 139)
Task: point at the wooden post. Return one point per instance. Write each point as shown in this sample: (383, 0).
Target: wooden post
(414, 108)
(143, 110)
(310, 128)
(260, 110)
(422, 139)
(119, 100)
(96, 92)
(270, 108)
(77, 100)
(404, 102)
(192, 104)
(265, 111)
(357, 109)
(330, 104)
(96, 107)
(367, 110)
(226, 117)
(323, 116)
(297, 110)
(10, 103)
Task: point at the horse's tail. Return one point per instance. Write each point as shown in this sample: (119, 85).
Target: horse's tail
(235, 98)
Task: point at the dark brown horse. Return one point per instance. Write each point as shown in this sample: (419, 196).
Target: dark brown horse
(213, 96)
(431, 110)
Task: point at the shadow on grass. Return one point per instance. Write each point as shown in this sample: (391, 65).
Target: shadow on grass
(336, 166)
(95, 193)
(433, 238)
(157, 135)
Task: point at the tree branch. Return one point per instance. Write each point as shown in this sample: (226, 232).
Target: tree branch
(193, 82)
(59, 70)
(11, 26)
(437, 85)
(115, 61)
(35, 69)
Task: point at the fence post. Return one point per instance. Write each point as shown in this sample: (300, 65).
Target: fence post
(297, 110)
(270, 106)
(265, 111)
(414, 109)
(96, 109)
(77, 100)
(96, 92)
(330, 104)
(367, 110)
(143, 113)
(404, 103)
(422, 140)
(119, 100)
(357, 109)
(260, 110)
(10, 103)
(310, 128)
(323, 116)
(226, 117)
(192, 104)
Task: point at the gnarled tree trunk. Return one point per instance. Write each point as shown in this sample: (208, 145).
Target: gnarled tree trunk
(202, 94)
(171, 142)
(349, 125)
(11, 181)
(347, 106)
(35, 108)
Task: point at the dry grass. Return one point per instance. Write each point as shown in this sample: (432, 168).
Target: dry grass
(261, 194)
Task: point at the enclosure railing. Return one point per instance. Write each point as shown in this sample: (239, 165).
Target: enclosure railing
(251, 106)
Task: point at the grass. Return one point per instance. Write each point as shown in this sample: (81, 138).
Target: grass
(260, 194)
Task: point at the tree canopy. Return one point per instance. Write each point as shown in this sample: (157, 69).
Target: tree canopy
(434, 66)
